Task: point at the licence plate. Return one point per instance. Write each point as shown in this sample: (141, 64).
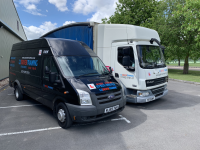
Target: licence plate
(110, 109)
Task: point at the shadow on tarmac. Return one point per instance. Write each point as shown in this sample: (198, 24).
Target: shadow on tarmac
(173, 100)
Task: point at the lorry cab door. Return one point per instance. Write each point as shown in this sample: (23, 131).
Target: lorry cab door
(50, 90)
(127, 77)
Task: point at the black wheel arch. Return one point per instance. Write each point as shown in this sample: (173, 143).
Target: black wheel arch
(17, 83)
(56, 101)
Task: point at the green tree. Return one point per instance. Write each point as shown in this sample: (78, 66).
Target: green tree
(161, 21)
(133, 12)
(188, 16)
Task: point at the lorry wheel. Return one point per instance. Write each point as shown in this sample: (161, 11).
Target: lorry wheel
(63, 116)
(18, 94)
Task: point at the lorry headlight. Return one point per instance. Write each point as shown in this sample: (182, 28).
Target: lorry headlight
(143, 94)
(85, 98)
(165, 87)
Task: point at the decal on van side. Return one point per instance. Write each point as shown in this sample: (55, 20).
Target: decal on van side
(49, 87)
(40, 52)
(28, 62)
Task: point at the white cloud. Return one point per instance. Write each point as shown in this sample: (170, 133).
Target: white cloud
(30, 6)
(100, 8)
(33, 32)
(60, 4)
(46, 10)
(68, 22)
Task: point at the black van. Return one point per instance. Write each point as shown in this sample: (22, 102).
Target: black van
(66, 76)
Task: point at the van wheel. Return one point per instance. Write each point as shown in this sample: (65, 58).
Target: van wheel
(18, 94)
(63, 116)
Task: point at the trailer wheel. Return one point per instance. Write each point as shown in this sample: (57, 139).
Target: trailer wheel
(63, 116)
(18, 93)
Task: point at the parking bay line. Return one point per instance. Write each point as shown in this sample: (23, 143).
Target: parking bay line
(54, 128)
(30, 131)
(20, 106)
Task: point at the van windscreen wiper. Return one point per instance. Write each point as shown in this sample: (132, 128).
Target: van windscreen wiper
(88, 74)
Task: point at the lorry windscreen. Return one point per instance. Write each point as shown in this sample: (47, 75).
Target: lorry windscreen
(150, 57)
(76, 66)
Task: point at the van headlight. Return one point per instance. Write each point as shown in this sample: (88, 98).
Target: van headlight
(85, 98)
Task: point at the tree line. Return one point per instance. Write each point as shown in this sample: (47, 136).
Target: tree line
(176, 21)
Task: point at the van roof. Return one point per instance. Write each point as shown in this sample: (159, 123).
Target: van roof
(59, 46)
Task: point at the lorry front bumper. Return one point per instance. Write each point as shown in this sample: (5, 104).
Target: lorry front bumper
(151, 97)
(93, 113)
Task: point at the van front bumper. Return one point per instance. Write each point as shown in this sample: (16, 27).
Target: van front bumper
(92, 113)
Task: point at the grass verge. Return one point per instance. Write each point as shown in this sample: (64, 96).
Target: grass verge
(193, 76)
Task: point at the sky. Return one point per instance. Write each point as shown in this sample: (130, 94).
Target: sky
(41, 16)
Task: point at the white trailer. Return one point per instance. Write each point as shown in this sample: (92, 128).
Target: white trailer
(134, 53)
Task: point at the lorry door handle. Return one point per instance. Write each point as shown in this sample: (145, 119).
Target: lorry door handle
(116, 75)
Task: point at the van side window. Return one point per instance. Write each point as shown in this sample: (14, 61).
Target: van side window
(49, 62)
(122, 52)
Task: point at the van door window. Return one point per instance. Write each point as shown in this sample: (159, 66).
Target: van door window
(126, 52)
(50, 64)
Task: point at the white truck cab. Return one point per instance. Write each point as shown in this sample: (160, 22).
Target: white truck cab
(134, 53)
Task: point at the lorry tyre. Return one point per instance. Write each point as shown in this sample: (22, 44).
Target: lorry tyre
(18, 93)
(62, 115)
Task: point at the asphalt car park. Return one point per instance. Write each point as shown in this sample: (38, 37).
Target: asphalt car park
(171, 122)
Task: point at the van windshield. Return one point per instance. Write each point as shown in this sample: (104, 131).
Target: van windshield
(150, 57)
(76, 66)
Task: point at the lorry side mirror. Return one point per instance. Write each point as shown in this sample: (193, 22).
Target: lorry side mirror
(46, 70)
(126, 51)
(126, 61)
(110, 70)
(52, 77)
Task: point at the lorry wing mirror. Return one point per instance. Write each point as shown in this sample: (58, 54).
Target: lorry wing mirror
(126, 51)
(126, 61)
(46, 70)
(52, 77)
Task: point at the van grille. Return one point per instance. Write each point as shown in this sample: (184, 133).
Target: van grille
(158, 91)
(103, 97)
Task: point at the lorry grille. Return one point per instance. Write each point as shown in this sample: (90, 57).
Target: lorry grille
(158, 91)
(103, 97)
(157, 81)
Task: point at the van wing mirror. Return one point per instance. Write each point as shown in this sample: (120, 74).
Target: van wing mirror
(52, 77)
(46, 70)
(126, 61)
(110, 70)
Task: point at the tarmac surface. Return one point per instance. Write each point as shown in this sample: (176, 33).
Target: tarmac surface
(172, 122)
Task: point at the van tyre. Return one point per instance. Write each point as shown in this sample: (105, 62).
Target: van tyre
(18, 93)
(62, 115)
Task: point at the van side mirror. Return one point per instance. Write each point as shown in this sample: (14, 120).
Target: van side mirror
(46, 70)
(52, 77)
(126, 61)
(110, 70)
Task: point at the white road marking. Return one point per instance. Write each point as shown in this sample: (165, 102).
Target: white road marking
(20, 106)
(11, 94)
(30, 131)
(122, 118)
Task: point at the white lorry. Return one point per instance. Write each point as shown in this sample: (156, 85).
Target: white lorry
(134, 53)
